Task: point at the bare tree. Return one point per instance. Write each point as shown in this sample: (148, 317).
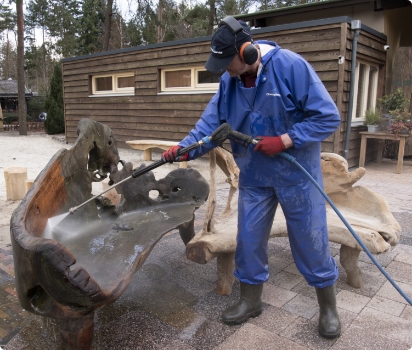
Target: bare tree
(107, 25)
(20, 68)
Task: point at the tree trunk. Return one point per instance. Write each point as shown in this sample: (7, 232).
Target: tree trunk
(212, 4)
(108, 25)
(20, 68)
(160, 20)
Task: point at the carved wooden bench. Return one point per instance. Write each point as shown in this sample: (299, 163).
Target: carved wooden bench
(366, 211)
(147, 145)
(89, 258)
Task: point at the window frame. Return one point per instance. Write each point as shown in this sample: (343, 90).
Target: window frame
(366, 93)
(115, 89)
(195, 86)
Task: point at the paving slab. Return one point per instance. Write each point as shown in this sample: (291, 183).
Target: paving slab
(358, 338)
(252, 337)
(389, 291)
(400, 271)
(285, 280)
(351, 301)
(404, 258)
(276, 296)
(302, 306)
(390, 326)
(305, 332)
(407, 313)
(274, 319)
(386, 305)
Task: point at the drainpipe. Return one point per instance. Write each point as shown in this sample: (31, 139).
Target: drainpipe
(355, 25)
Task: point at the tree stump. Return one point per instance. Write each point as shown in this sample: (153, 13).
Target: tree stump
(15, 183)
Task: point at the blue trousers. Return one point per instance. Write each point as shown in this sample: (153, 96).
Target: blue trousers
(305, 212)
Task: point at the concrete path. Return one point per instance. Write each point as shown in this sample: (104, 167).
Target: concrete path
(171, 303)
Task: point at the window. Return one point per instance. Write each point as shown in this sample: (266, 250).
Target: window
(188, 79)
(113, 84)
(366, 84)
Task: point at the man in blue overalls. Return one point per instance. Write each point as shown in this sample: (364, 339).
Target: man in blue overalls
(275, 95)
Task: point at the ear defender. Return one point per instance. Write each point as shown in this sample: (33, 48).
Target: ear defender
(248, 53)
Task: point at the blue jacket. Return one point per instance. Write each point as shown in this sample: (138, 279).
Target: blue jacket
(288, 98)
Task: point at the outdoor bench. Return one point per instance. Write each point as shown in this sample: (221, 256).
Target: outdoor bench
(148, 145)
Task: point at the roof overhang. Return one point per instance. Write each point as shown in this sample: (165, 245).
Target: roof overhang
(376, 5)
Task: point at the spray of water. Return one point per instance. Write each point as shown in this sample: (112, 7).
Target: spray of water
(52, 223)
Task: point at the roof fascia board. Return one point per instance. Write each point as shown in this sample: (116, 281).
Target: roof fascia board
(318, 22)
(140, 48)
(316, 6)
(295, 25)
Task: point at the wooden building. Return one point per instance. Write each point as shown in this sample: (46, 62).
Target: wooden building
(159, 91)
(9, 96)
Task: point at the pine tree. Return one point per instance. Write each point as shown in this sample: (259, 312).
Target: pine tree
(63, 25)
(54, 124)
(91, 27)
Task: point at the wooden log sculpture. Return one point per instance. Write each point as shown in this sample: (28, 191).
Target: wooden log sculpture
(87, 260)
(366, 211)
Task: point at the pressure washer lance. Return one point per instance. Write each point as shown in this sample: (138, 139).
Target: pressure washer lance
(221, 134)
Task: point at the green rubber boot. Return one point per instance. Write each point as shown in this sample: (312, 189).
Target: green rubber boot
(329, 324)
(249, 305)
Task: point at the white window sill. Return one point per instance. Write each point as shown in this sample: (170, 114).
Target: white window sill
(109, 95)
(188, 92)
(357, 123)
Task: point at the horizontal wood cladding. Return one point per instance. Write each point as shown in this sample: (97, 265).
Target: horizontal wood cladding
(115, 67)
(142, 58)
(123, 135)
(370, 47)
(135, 102)
(165, 106)
(144, 127)
(134, 113)
(146, 77)
(134, 121)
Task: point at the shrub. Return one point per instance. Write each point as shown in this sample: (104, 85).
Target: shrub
(389, 103)
(54, 124)
(9, 118)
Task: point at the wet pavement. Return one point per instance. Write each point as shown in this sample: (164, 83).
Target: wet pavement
(171, 302)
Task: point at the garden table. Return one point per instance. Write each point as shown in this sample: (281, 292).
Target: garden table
(382, 136)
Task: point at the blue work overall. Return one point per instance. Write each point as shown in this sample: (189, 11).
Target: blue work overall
(288, 98)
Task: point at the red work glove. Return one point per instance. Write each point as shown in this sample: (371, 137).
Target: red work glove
(171, 155)
(270, 145)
